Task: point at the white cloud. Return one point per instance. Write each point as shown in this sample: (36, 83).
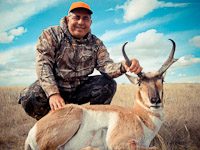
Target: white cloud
(148, 40)
(14, 12)
(149, 47)
(186, 61)
(26, 53)
(135, 9)
(14, 1)
(8, 37)
(195, 41)
(181, 75)
(17, 65)
(17, 77)
(152, 50)
(170, 4)
(17, 32)
(172, 72)
(111, 35)
(189, 79)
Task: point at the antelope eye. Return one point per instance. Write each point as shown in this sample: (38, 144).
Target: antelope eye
(139, 83)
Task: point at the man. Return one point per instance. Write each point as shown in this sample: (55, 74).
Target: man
(66, 56)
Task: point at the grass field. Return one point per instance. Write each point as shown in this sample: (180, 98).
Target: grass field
(180, 131)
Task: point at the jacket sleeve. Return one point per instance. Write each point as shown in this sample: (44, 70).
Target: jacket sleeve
(45, 61)
(105, 64)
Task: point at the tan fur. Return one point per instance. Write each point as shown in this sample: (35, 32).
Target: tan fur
(144, 115)
(149, 89)
(107, 108)
(128, 124)
(128, 127)
(138, 96)
(151, 74)
(56, 128)
(133, 146)
(90, 148)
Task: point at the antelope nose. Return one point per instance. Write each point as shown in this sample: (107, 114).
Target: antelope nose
(155, 100)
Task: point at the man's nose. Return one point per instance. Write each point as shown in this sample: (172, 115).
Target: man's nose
(81, 21)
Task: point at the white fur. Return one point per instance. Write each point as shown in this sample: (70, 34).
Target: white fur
(30, 141)
(148, 133)
(94, 131)
(145, 98)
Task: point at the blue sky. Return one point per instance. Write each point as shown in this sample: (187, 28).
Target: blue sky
(145, 24)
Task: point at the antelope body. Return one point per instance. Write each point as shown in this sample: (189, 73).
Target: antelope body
(106, 127)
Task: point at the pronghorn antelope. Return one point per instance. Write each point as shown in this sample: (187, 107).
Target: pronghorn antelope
(106, 127)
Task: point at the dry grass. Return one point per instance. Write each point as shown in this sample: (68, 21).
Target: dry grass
(180, 130)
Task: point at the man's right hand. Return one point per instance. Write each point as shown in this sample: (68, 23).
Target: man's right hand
(56, 102)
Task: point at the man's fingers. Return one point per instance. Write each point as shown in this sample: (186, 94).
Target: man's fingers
(52, 107)
(139, 70)
(60, 103)
(56, 107)
(56, 102)
(133, 64)
(134, 67)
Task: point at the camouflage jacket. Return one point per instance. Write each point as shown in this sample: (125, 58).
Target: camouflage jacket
(64, 62)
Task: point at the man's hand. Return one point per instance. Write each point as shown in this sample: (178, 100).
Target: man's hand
(56, 102)
(135, 66)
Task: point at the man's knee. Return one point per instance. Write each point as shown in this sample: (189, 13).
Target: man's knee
(104, 91)
(34, 101)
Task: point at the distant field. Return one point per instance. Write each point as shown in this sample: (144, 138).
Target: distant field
(180, 131)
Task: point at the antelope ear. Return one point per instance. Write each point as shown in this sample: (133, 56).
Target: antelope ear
(132, 79)
(163, 75)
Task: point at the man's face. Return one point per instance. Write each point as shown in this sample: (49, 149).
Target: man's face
(79, 23)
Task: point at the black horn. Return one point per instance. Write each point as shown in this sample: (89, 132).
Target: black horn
(169, 61)
(127, 60)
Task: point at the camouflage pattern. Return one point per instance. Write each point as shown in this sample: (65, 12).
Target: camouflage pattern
(34, 101)
(96, 90)
(63, 62)
(63, 66)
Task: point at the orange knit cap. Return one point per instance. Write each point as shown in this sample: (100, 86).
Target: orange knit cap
(80, 5)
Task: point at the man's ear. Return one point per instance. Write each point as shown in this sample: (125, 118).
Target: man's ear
(67, 19)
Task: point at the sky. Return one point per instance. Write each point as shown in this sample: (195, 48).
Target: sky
(145, 24)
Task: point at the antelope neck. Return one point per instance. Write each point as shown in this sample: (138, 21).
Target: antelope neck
(144, 112)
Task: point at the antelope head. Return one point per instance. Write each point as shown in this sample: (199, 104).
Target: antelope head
(150, 85)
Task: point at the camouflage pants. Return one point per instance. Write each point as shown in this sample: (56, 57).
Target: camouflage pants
(97, 90)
